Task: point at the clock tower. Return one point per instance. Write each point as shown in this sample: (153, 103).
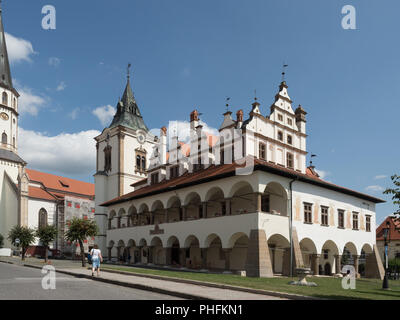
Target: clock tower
(123, 152)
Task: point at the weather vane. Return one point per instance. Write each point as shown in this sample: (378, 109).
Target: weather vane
(312, 156)
(283, 71)
(227, 103)
(255, 94)
(128, 71)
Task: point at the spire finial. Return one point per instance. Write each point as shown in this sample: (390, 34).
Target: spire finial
(255, 94)
(312, 156)
(227, 103)
(127, 69)
(283, 71)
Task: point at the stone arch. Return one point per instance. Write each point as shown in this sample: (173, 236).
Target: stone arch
(156, 241)
(192, 252)
(215, 202)
(121, 216)
(309, 252)
(132, 216)
(327, 261)
(190, 240)
(144, 217)
(275, 199)
(215, 258)
(174, 209)
(131, 243)
(279, 250)
(142, 242)
(193, 206)
(143, 208)
(110, 249)
(215, 192)
(157, 252)
(240, 243)
(174, 254)
(242, 198)
(158, 211)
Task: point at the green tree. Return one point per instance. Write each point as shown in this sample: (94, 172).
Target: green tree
(395, 192)
(46, 235)
(1, 241)
(79, 230)
(25, 235)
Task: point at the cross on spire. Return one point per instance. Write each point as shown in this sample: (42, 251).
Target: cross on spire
(283, 71)
(127, 69)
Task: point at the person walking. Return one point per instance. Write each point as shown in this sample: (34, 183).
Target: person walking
(96, 259)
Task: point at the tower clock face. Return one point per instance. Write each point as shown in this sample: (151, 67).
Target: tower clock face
(141, 138)
(4, 116)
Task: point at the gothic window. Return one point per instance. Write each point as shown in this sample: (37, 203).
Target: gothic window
(341, 218)
(107, 159)
(261, 151)
(5, 98)
(4, 138)
(289, 160)
(324, 216)
(42, 218)
(307, 213)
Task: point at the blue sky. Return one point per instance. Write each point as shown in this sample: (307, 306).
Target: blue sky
(190, 54)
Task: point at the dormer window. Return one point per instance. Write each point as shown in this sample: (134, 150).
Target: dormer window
(280, 135)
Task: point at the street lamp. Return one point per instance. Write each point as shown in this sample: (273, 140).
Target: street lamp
(386, 238)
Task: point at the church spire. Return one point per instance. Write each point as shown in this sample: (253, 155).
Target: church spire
(128, 114)
(5, 73)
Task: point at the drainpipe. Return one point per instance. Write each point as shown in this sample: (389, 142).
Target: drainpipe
(291, 226)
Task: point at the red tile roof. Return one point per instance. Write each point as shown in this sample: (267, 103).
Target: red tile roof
(61, 185)
(225, 170)
(394, 229)
(39, 193)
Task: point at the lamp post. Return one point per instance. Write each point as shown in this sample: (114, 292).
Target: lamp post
(386, 237)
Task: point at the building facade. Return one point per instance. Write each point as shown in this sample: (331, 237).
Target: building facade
(393, 222)
(240, 201)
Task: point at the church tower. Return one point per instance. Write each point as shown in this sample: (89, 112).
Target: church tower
(12, 167)
(123, 152)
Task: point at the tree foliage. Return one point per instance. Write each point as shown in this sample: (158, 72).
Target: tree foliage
(395, 192)
(46, 235)
(79, 230)
(25, 235)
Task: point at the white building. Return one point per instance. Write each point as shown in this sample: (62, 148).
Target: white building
(29, 197)
(236, 202)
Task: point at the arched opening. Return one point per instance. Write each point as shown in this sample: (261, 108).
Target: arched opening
(309, 252)
(143, 253)
(158, 212)
(121, 220)
(4, 138)
(366, 261)
(174, 255)
(328, 260)
(215, 259)
(243, 198)
(274, 199)
(192, 252)
(215, 203)
(42, 218)
(238, 255)
(144, 216)
(349, 255)
(131, 251)
(111, 221)
(174, 211)
(157, 252)
(109, 250)
(193, 206)
(5, 98)
(279, 251)
(120, 251)
(132, 216)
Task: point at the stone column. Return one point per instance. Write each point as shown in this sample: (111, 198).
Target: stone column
(204, 258)
(258, 262)
(227, 253)
(258, 201)
(168, 254)
(228, 206)
(338, 264)
(204, 209)
(356, 263)
(315, 263)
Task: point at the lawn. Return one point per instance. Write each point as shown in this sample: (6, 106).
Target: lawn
(328, 288)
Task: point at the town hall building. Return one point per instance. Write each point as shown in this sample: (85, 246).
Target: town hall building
(242, 201)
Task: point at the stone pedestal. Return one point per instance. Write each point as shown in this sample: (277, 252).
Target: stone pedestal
(258, 262)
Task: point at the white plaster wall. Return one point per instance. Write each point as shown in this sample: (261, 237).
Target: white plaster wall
(33, 213)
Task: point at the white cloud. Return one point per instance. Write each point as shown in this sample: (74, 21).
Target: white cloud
(54, 61)
(381, 176)
(67, 153)
(105, 114)
(322, 173)
(18, 49)
(29, 102)
(74, 113)
(375, 188)
(61, 86)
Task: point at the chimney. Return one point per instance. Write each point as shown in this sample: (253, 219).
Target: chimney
(163, 145)
(301, 119)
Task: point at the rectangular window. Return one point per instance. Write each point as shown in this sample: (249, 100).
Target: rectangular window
(355, 221)
(289, 160)
(324, 216)
(173, 172)
(341, 218)
(265, 203)
(307, 212)
(280, 136)
(261, 151)
(280, 117)
(289, 122)
(368, 223)
(289, 139)
(154, 178)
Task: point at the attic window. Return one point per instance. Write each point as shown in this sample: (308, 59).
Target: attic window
(64, 184)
